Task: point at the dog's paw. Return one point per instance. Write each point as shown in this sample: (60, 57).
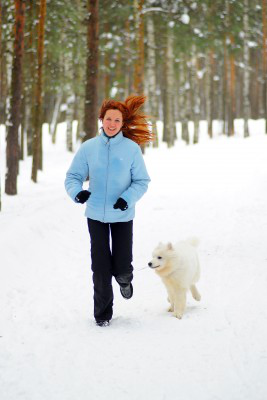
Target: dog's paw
(178, 315)
(197, 297)
(170, 309)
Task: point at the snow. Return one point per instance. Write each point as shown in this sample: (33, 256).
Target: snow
(50, 347)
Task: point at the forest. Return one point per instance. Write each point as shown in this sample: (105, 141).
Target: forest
(194, 60)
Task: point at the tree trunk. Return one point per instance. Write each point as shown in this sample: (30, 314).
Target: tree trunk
(69, 123)
(53, 125)
(1, 55)
(127, 65)
(187, 105)
(246, 105)
(91, 98)
(151, 68)
(255, 85)
(264, 59)
(12, 147)
(209, 90)
(106, 63)
(37, 136)
(195, 95)
(140, 49)
(3, 68)
(169, 131)
(232, 109)
(30, 87)
(225, 94)
(23, 123)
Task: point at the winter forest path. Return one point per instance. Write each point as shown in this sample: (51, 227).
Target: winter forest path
(49, 345)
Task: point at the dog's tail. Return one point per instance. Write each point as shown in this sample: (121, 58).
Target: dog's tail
(194, 241)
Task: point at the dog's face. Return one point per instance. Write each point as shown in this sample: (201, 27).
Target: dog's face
(160, 256)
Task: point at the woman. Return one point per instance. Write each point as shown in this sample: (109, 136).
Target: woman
(117, 180)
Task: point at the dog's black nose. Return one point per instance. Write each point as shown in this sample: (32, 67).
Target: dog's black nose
(150, 264)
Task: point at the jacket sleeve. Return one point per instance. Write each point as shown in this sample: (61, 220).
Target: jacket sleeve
(140, 180)
(77, 174)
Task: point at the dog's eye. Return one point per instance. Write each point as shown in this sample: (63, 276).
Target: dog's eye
(159, 257)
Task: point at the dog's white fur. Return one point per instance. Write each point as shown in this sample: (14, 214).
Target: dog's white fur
(178, 267)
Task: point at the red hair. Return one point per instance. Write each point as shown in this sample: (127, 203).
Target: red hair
(135, 125)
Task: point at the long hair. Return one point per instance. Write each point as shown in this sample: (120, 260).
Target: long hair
(135, 125)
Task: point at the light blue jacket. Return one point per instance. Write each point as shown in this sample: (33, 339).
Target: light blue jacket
(115, 168)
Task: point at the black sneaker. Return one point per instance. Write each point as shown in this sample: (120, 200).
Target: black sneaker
(102, 323)
(127, 291)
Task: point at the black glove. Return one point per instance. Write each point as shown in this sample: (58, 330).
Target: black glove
(82, 196)
(121, 204)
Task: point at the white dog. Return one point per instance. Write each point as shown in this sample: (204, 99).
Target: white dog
(178, 267)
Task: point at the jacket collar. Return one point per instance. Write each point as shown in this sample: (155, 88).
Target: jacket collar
(112, 140)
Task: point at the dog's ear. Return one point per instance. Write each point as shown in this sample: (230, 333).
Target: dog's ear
(169, 246)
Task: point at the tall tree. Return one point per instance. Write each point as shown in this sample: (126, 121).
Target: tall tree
(264, 59)
(151, 77)
(30, 73)
(91, 97)
(246, 105)
(140, 52)
(12, 148)
(37, 136)
(169, 132)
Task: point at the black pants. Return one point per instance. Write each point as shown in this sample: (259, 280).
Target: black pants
(108, 261)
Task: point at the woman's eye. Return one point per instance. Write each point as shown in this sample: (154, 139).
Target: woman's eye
(159, 257)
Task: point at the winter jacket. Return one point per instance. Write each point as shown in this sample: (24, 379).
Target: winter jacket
(115, 168)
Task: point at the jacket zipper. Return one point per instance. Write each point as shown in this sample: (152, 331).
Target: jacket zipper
(106, 181)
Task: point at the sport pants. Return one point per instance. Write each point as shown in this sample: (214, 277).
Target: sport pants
(109, 260)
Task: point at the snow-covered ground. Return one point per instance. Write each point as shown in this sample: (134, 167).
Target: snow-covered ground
(50, 347)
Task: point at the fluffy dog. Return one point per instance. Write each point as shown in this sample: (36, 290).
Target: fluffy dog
(178, 267)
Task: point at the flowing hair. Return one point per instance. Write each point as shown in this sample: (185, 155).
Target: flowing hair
(135, 125)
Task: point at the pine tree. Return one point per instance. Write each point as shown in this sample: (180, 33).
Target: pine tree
(91, 94)
(12, 148)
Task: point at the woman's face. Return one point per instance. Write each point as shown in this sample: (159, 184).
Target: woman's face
(112, 122)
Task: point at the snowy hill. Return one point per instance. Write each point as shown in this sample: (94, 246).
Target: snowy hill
(50, 347)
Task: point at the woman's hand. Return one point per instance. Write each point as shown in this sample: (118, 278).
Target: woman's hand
(121, 204)
(82, 196)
